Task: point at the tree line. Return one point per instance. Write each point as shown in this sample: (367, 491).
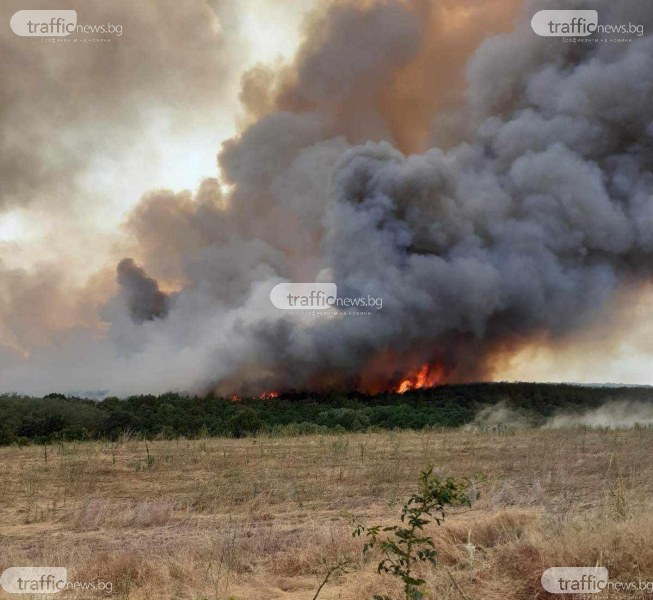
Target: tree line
(55, 417)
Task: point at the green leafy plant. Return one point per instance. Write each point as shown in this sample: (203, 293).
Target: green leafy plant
(406, 545)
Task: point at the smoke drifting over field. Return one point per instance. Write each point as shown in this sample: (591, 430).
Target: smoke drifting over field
(485, 214)
(616, 413)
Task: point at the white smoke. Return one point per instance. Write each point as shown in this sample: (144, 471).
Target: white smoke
(500, 417)
(615, 414)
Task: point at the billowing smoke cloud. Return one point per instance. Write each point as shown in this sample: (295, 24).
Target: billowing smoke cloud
(142, 294)
(526, 227)
(71, 113)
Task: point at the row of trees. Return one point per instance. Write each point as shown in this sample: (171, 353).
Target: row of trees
(57, 417)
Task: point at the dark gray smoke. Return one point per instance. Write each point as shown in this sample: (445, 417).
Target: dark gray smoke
(528, 227)
(142, 294)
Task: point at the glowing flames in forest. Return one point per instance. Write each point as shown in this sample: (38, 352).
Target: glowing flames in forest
(387, 374)
(426, 376)
(263, 396)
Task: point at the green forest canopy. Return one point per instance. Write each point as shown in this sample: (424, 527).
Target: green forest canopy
(56, 417)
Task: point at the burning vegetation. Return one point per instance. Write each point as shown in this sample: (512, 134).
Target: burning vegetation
(509, 201)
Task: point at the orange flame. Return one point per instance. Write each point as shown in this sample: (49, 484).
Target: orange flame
(424, 377)
(263, 396)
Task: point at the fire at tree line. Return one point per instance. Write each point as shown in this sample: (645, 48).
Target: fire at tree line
(55, 417)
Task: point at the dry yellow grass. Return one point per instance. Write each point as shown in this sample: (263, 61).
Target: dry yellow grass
(264, 518)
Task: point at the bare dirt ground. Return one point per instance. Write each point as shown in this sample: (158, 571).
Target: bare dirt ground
(264, 518)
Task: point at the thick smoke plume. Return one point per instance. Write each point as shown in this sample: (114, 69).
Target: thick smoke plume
(142, 294)
(527, 226)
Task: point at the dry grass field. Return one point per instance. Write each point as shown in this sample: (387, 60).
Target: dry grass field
(264, 518)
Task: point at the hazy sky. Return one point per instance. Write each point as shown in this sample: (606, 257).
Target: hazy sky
(161, 128)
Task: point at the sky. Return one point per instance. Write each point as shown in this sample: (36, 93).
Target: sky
(172, 144)
(201, 144)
